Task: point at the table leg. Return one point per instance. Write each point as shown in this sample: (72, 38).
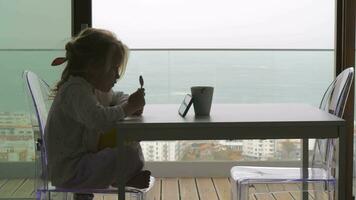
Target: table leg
(341, 165)
(305, 166)
(120, 163)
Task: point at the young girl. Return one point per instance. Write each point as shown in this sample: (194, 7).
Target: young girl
(85, 108)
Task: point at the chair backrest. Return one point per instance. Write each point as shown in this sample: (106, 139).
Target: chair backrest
(38, 92)
(334, 102)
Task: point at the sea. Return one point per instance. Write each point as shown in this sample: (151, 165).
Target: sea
(238, 76)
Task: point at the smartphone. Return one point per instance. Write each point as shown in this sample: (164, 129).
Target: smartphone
(185, 105)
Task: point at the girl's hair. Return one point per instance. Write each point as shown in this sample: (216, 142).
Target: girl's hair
(95, 47)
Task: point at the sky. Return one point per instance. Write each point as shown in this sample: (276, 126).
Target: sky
(250, 24)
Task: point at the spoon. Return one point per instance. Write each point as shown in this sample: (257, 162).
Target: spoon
(141, 81)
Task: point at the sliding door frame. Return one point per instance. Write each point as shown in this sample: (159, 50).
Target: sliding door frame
(81, 15)
(344, 57)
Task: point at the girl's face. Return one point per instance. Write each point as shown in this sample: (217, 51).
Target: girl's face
(104, 78)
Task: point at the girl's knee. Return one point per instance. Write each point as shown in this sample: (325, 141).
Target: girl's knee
(140, 164)
(135, 153)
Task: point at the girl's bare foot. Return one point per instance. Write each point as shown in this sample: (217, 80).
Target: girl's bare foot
(141, 180)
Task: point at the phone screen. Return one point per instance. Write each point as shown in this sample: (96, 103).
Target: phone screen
(185, 105)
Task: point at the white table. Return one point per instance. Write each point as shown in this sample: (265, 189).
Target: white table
(236, 121)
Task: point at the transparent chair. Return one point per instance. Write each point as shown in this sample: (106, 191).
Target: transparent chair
(320, 179)
(38, 95)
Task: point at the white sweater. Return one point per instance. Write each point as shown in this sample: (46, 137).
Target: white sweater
(78, 115)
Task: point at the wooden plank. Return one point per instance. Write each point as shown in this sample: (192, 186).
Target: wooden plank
(170, 189)
(2, 182)
(26, 189)
(295, 190)
(206, 189)
(188, 189)
(319, 195)
(317, 186)
(98, 197)
(252, 197)
(292, 187)
(282, 196)
(260, 188)
(260, 192)
(264, 196)
(109, 197)
(10, 187)
(275, 187)
(297, 195)
(155, 192)
(223, 188)
(317, 190)
(252, 191)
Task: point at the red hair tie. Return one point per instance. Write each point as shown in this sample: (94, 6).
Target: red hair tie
(58, 61)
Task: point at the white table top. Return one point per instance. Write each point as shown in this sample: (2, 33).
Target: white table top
(162, 121)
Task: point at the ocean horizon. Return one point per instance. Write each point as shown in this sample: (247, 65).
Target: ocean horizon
(237, 76)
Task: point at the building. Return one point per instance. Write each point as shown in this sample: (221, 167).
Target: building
(16, 137)
(258, 149)
(160, 151)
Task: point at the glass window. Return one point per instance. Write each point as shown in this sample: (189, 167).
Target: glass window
(250, 51)
(34, 24)
(32, 34)
(219, 24)
(238, 76)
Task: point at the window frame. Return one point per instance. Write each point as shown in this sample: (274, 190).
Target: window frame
(344, 56)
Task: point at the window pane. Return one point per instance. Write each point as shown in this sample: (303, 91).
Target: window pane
(34, 24)
(281, 24)
(283, 52)
(238, 77)
(32, 34)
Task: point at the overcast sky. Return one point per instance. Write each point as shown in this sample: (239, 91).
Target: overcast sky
(296, 24)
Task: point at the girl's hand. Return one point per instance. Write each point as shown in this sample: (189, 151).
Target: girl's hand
(137, 99)
(135, 103)
(138, 113)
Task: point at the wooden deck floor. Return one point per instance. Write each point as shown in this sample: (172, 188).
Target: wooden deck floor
(220, 189)
(17, 189)
(174, 189)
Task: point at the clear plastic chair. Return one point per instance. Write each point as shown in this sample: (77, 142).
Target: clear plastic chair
(38, 94)
(322, 170)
